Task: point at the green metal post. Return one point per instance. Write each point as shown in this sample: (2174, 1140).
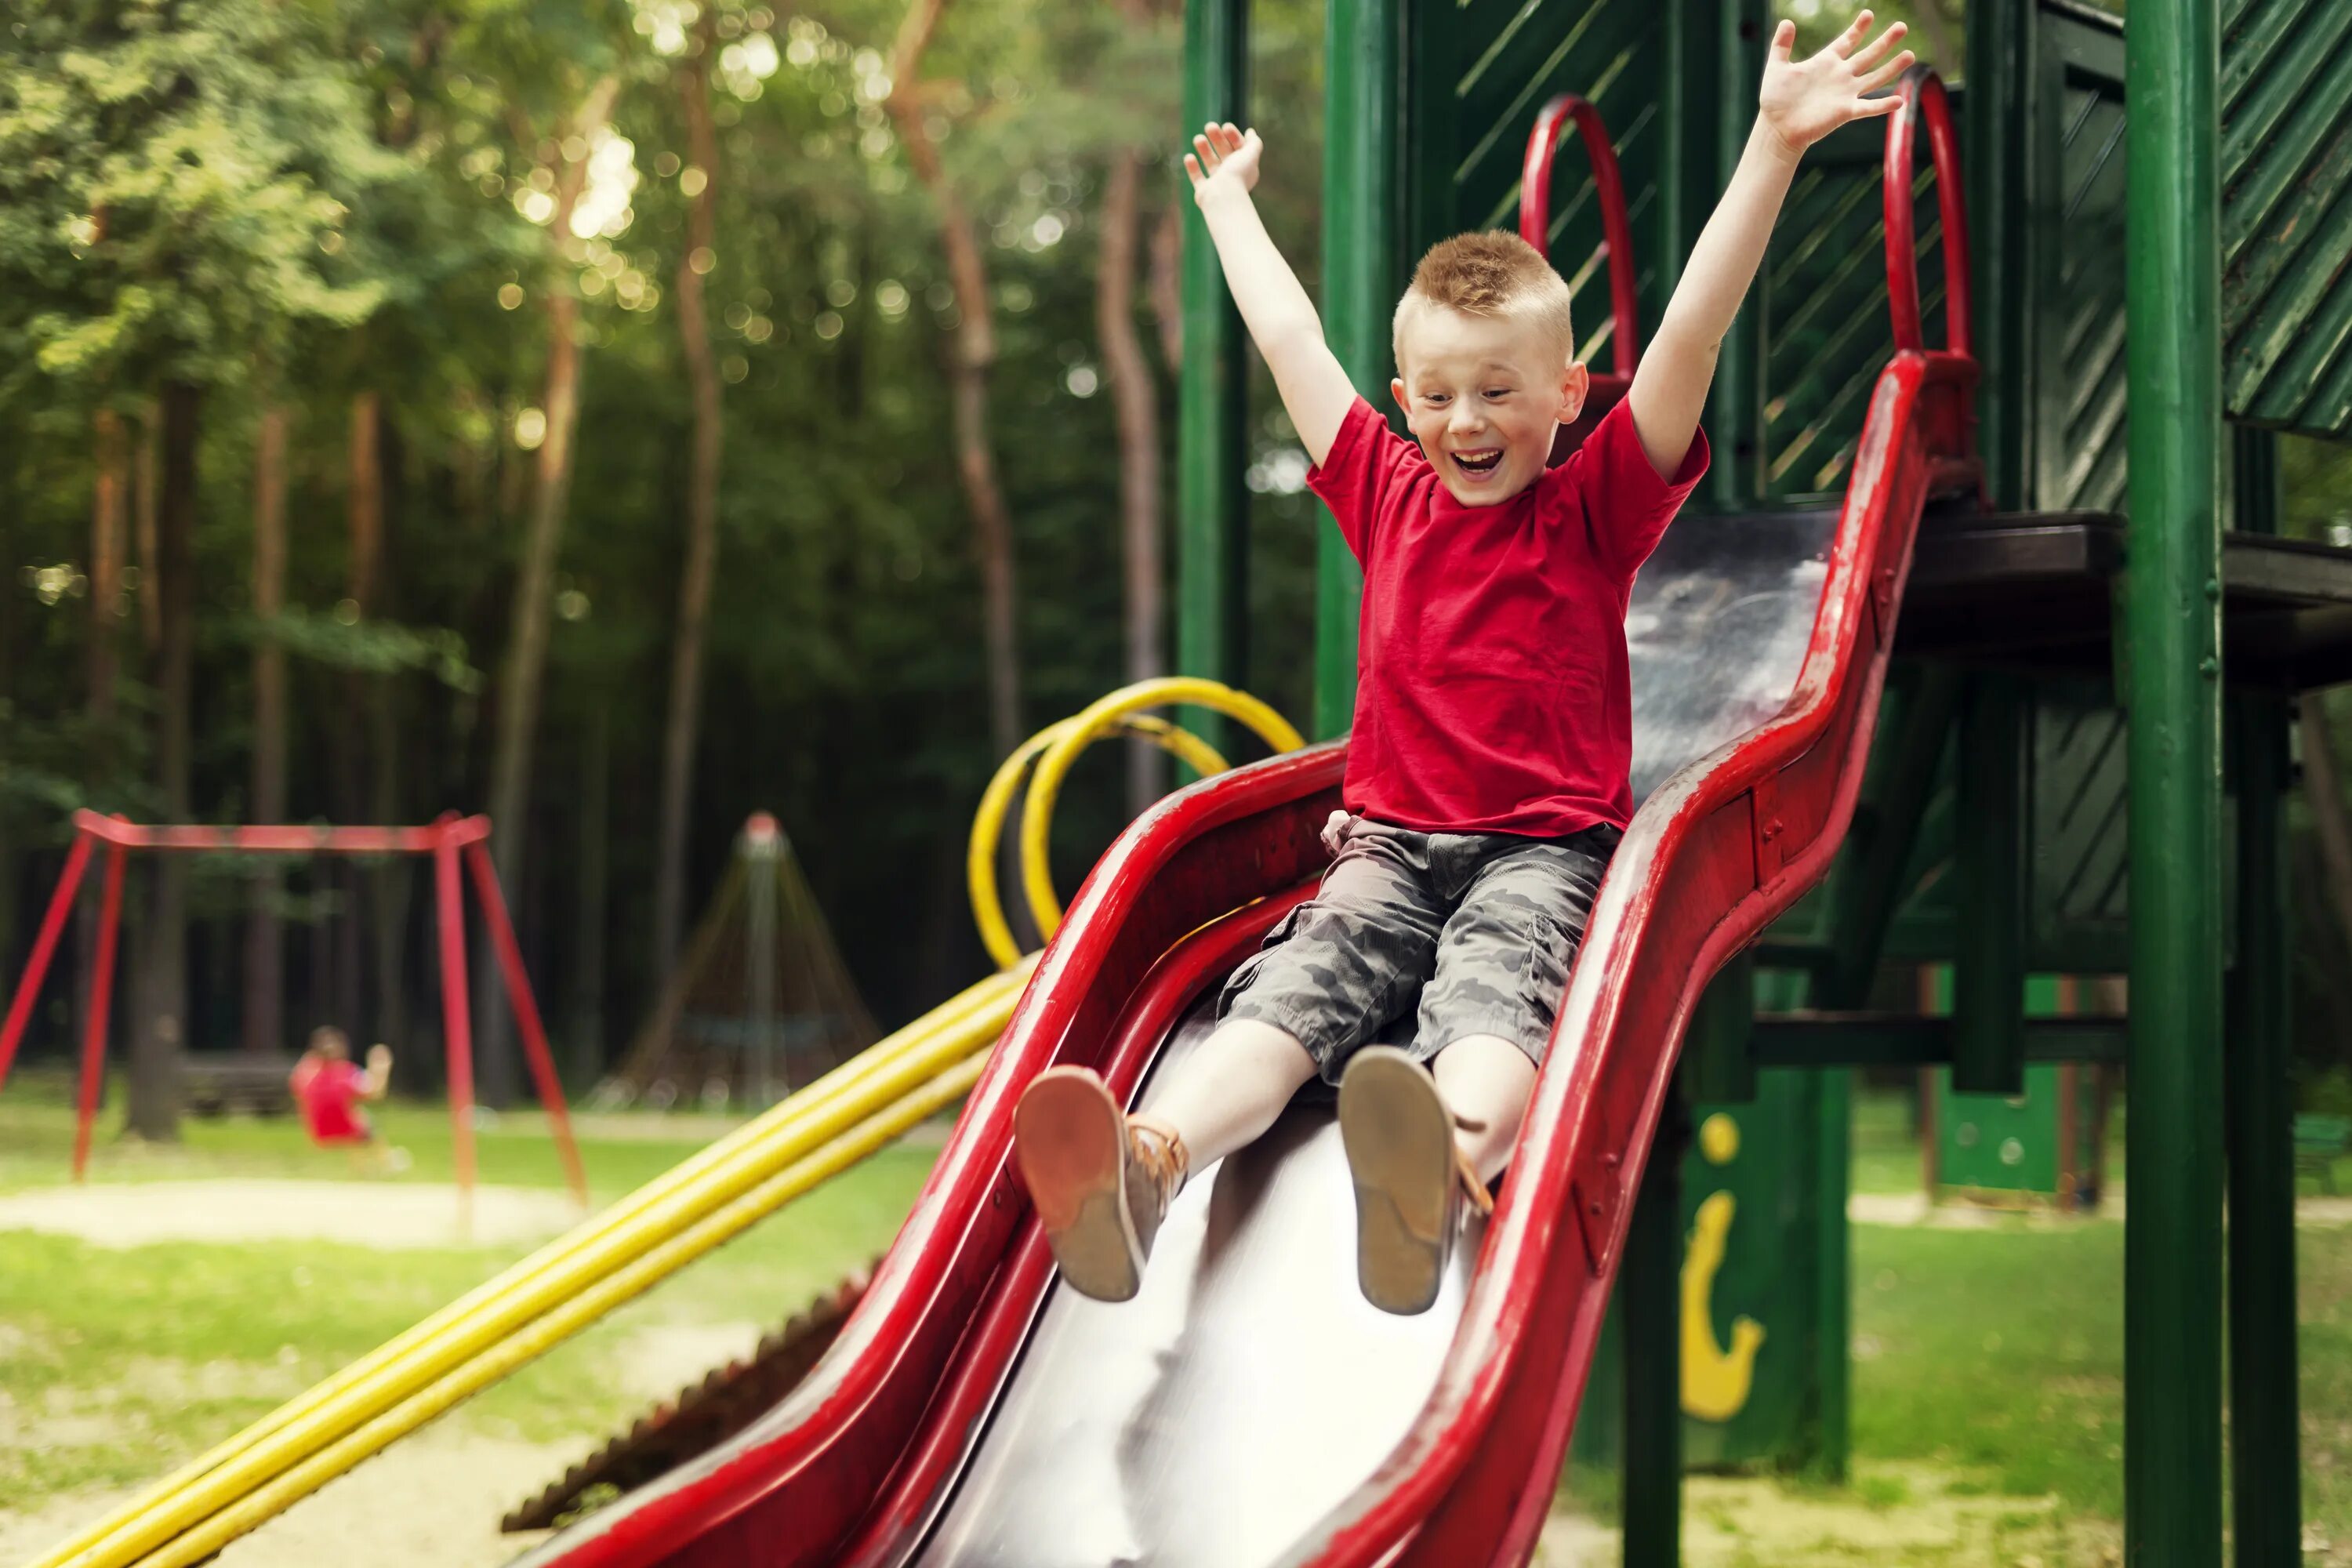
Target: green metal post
(1719, 1058)
(1362, 206)
(1735, 419)
(1866, 888)
(2265, 1463)
(1650, 1290)
(1834, 1279)
(1998, 128)
(1212, 392)
(1988, 891)
(2172, 1250)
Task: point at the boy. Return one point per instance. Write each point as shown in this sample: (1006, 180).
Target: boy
(1487, 772)
(328, 1088)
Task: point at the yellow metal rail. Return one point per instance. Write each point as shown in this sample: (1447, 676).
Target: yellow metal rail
(578, 1312)
(868, 1086)
(681, 1215)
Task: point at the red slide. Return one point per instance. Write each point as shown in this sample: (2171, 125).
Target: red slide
(1246, 1408)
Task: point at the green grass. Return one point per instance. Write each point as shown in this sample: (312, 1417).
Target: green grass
(1998, 1353)
(120, 1364)
(1988, 1361)
(37, 1146)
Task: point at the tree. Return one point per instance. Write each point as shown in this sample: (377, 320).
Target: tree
(175, 178)
(700, 256)
(1136, 397)
(586, 84)
(974, 354)
(264, 952)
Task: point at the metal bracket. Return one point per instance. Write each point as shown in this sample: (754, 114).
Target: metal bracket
(1770, 827)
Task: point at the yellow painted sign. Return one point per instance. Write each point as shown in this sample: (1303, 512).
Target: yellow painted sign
(1714, 1380)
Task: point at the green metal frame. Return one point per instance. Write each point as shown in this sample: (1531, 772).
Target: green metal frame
(1212, 402)
(2265, 1463)
(1419, 96)
(2171, 626)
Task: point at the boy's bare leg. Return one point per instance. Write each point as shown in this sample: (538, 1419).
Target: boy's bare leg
(1485, 1081)
(1232, 1088)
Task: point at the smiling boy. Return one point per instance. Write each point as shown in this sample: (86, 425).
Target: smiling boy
(1486, 780)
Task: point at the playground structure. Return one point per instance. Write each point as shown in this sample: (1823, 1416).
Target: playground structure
(761, 1003)
(1782, 745)
(448, 841)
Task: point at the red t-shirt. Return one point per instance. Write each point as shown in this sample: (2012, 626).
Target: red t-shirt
(1491, 686)
(328, 1093)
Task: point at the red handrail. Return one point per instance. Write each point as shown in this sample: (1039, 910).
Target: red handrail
(1616, 229)
(1923, 99)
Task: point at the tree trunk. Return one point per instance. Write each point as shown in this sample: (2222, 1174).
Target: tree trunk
(155, 1109)
(1167, 283)
(150, 576)
(526, 658)
(587, 1051)
(701, 509)
(264, 938)
(2323, 792)
(975, 352)
(106, 564)
(363, 521)
(1138, 403)
(390, 881)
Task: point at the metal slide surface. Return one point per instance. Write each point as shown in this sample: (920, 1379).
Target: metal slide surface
(1247, 1409)
(1250, 1371)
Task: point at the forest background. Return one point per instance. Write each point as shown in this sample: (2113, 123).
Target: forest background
(623, 415)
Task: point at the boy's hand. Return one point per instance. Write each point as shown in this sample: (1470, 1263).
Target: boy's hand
(1335, 830)
(1222, 156)
(379, 1061)
(1804, 101)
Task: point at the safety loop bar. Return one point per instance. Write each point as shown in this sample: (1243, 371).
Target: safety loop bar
(1924, 102)
(996, 804)
(1609, 186)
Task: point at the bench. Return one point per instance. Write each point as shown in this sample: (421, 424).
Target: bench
(215, 1086)
(2319, 1141)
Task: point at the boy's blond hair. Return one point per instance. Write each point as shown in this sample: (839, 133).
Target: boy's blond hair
(1490, 273)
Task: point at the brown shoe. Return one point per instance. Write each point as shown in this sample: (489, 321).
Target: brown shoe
(1101, 1182)
(1411, 1178)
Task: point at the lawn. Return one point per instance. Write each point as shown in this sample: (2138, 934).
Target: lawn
(116, 1363)
(1988, 1387)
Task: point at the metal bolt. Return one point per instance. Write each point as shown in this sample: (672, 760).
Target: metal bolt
(2208, 667)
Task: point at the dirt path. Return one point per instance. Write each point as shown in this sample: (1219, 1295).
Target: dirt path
(1913, 1208)
(1912, 1514)
(388, 1215)
(435, 1498)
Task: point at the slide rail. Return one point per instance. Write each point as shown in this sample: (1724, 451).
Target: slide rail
(1722, 847)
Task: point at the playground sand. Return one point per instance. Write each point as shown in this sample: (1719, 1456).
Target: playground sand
(365, 1214)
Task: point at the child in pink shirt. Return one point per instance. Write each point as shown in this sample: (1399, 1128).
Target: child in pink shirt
(1486, 779)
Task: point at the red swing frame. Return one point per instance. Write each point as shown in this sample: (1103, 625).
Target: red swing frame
(446, 840)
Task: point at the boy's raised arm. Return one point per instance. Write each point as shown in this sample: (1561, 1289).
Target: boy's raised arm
(1281, 319)
(1801, 102)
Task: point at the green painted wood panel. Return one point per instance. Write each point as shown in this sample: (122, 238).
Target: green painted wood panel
(2077, 397)
(1821, 307)
(2287, 215)
(1482, 71)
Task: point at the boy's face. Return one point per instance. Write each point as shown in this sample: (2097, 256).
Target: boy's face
(1484, 397)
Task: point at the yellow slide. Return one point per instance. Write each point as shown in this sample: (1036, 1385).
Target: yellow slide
(643, 1239)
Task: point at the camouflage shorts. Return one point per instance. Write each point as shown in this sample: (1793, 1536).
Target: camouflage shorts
(1476, 930)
